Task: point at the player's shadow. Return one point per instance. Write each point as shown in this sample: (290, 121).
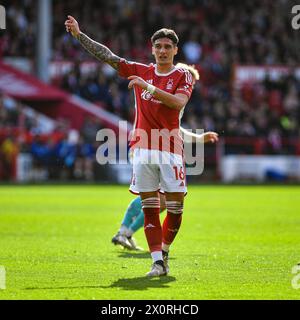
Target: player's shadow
(142, 283)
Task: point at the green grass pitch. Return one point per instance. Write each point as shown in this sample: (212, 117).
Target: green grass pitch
(234, 243)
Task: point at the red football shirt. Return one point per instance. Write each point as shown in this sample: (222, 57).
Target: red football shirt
(156, 119)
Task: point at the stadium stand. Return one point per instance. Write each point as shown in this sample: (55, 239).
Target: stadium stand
(253, 117)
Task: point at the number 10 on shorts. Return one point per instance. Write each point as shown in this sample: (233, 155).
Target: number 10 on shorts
(2, 278)
(179, 174)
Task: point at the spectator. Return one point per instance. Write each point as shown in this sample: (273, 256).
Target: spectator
(214, 35)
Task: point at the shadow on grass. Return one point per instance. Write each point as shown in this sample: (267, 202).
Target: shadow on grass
(142, 283)
(138, 283)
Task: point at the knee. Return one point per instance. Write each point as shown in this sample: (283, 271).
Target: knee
(150, 205)
(174, 207)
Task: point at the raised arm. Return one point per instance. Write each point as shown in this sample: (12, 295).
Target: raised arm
(100, 51)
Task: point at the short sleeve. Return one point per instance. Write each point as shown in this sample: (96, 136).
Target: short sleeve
(185, 85)
(129, 68)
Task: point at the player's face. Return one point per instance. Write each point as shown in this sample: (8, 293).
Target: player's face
(164, 51)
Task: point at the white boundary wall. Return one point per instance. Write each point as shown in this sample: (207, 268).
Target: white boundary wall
(237, 167)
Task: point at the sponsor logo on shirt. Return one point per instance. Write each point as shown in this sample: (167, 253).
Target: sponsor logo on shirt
(146, 95)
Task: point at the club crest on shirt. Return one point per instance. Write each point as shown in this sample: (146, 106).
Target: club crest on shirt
(170, 84)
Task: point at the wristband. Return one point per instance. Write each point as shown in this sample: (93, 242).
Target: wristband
(150, 88)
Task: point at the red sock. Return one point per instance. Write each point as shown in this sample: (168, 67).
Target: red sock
(171, 226)
(152, 224)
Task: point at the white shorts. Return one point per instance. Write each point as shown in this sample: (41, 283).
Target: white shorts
(155, 170)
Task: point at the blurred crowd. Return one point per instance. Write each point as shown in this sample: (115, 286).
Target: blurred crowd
(214, 36)
(57, 151)
(229, 31)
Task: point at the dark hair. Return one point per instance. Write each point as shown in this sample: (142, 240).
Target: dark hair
(165, 33)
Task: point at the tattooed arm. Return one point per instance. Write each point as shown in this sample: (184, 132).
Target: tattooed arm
(100, 51)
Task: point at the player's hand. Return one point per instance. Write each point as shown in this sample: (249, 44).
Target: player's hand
(211, 136)
(72, 26)
(137, 81)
